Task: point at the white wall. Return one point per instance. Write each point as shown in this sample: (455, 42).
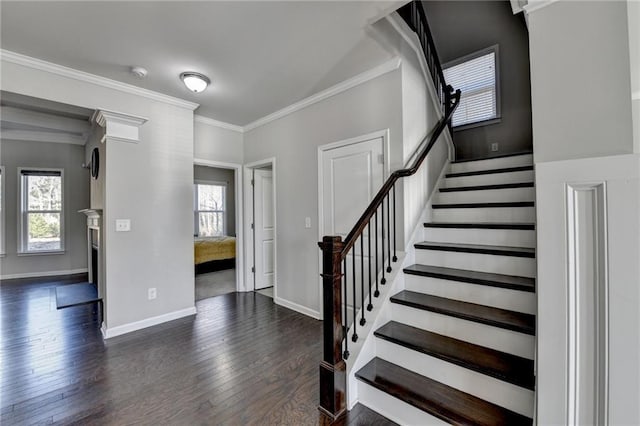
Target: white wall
(293, 141)
(76, 197)
(588, 215)
(149, 182)
(214, 143)
(580, 71)
(633, 12)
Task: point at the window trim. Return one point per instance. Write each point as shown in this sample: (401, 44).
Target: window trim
(22, 224)
(196, 212)
(3, 196)
(473, 55)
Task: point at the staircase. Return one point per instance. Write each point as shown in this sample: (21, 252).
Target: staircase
(460, 344)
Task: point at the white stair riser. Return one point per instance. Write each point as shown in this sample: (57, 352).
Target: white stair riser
(496, 237)
(508, 265)
(490, 389)
(481, 334)
(493, 163)
(394, 409)
(513, 300)
(488, 214)
(487, 195)
(490, 179)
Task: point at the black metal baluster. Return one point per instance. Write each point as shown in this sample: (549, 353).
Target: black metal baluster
(370, 305)
(383, 281)
(345, 355)
(377, 293)
(354, 337)
(395, 237)
(362, 320)
(388, 235)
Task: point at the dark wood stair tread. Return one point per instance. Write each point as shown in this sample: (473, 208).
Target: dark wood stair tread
(435, 398)
(490, 171)
(509, 320)
(478, 248)
(513, 154)
(474, 277)
(482, 225)
(487, 187)
(500, 365)
(483, 205)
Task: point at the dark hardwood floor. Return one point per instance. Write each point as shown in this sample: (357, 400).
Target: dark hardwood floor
(241, 360)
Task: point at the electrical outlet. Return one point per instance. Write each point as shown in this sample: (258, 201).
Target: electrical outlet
(152, 293)
(123, 225)
(494, 146)
(307, 222)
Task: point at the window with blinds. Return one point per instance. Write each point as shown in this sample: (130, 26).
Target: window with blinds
(476, 77)
(41, 215)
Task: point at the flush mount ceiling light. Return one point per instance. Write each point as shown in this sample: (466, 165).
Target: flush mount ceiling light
(194, 81)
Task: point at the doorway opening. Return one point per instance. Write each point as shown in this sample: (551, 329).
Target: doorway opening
(260, 199)
(216, 228)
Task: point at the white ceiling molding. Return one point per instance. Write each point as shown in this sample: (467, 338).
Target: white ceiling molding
(635, 95)
(39, 120)
(28, 61)
(352, 82)
(119, 127)
(535, 5)
(35, 136)
(216, 123)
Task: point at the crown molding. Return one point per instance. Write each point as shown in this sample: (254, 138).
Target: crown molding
(350, 83)
(216, 123)
(42, 136)
(635, 95)
(535, 5)
(39, 64)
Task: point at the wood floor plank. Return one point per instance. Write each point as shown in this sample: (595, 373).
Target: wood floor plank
(241, 360)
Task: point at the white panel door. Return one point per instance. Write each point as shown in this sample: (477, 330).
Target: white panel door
(264, 228)
(351, 177)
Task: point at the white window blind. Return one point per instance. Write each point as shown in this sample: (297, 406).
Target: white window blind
(476, 78)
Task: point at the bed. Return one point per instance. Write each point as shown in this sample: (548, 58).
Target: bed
(214, 253)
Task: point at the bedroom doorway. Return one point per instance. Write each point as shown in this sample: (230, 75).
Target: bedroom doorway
(216, 228)
(261, 218)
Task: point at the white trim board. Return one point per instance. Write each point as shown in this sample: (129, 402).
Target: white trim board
(44, 274)
(239, 195)
(39, 64)
(350, 83)
(108, 333)
(216, 123)
(296, 307)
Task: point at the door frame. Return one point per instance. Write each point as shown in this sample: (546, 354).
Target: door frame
(248, 219)
(386, 164)
(237, 168)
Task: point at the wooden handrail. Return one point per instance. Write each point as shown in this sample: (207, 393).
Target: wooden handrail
(391, 180)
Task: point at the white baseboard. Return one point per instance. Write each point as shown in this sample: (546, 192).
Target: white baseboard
(44, 274)
(298, 308)
(108, 333)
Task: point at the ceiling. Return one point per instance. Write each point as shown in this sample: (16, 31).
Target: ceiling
(23, 118)
(260, 56)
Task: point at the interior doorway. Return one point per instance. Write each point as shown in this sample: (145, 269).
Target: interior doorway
(261, 219)
(217, 228)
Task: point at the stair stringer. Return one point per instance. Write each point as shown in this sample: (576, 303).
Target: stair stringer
(364, 350)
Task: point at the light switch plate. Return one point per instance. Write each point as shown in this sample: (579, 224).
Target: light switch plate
(494, 146)
(123, 225)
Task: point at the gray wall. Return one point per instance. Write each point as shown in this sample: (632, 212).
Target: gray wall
(463, 27)
(76, 197)
(293, 140)
(216, 174)
(581, 81)
(211, 142)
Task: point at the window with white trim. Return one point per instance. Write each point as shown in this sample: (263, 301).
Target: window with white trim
(209, 209)
(477, 78)
(41, 210)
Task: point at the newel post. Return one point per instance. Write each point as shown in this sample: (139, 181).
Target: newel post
(333, 379)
